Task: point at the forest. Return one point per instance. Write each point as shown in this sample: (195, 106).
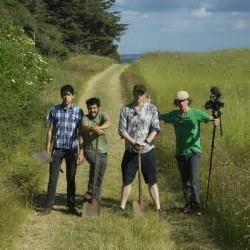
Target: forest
(62, 27)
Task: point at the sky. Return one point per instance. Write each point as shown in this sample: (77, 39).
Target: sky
(183, 25)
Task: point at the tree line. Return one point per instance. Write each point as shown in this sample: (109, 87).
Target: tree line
(61, 27)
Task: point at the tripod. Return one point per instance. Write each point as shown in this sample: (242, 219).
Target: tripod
(216, 114)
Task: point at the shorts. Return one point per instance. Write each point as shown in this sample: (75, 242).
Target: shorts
(129, 167)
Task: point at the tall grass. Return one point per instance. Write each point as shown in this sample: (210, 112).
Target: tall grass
(165, 73)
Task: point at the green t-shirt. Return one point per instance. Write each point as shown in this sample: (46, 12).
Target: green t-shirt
(187, 129)
(89, 138)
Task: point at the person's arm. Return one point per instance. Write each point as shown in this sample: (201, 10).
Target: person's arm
(127, 137)
(96, 129)
(151, 136)
(49, 137)
(204, 117)
(165, 117)
(100, 129)
(80, 157)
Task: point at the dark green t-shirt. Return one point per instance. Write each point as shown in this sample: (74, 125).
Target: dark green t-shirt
(187, 129)
(90, 137)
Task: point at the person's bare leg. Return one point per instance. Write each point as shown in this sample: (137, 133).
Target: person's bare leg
(126, 190)
(154, 193)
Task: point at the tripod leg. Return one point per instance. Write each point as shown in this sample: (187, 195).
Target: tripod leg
(210, 165)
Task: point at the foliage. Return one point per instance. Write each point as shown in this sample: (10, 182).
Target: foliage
(83, 27)
(23, 74)
(47, 38)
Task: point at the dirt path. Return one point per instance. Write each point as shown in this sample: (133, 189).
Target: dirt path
(60, 230)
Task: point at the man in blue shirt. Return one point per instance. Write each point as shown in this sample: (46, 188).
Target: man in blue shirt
(63, 122)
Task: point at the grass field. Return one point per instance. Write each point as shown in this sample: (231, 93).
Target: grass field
(165, 73)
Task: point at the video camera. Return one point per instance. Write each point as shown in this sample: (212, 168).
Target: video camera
(215, 103)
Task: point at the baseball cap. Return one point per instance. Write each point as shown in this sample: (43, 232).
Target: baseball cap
(181, 95)
(139, 87)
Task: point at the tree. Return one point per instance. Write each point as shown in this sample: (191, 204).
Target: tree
(78, 26)
(87, 25)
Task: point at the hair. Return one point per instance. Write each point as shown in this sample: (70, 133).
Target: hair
(189, 102)
(148, 97)
(93, 101)
(67, 88)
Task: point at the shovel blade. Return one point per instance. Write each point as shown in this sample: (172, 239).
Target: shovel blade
(140, 208)
(91, 208)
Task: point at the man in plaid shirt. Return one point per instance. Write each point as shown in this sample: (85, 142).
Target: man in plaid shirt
(63, 122)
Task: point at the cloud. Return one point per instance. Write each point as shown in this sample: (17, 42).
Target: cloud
(201, 13)
(240, 24)
(171, 5)
(184, 25)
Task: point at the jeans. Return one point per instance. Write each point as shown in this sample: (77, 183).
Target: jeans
(70, 156)
(189, 169)
(100, 171)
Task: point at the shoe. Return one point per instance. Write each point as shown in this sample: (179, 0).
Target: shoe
(46, 211)
(160, 211)
(197, 211)
(187, 210)
(73, 211)
(120, 210)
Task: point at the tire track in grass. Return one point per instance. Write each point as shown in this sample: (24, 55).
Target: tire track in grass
(60, 230)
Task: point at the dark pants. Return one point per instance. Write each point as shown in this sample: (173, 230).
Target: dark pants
(130, 164)
(70, 157)
(101, 165)
(189, 168)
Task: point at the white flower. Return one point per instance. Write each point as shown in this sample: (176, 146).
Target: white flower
(29, 82)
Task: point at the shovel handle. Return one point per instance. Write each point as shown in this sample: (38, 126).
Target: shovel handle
(139, 177)
(95, 171)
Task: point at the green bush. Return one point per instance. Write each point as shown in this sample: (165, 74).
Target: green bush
(23, 76)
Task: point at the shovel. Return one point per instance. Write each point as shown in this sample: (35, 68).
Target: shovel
(92, 207)
(140, 206)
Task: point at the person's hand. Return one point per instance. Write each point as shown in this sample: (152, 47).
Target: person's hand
(139, 145)
(216, 121)
(98, 130)
(48, 149)
(80, 159)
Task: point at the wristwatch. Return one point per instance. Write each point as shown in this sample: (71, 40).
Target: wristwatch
(146, 141)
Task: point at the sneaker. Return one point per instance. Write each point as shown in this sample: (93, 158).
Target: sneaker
(73, 211)
(187, 210)
(46, 211)
(160, 211)
(120, 210)
(197, 211)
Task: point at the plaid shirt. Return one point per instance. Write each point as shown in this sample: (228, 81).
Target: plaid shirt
(140, 125)
(66, 122)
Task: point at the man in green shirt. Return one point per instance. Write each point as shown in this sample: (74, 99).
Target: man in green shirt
(186, 122)
(94, 127)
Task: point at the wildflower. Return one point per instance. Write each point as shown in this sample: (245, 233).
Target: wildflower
(29, 82)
